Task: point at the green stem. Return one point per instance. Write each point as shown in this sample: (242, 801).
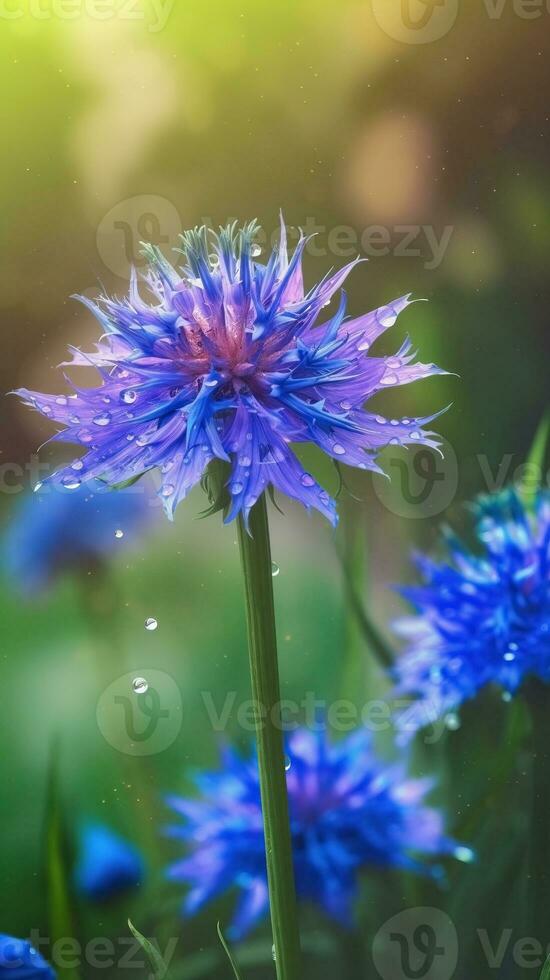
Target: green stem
(538, 696)
(262, 647)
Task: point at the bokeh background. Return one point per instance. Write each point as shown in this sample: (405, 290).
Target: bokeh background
(413, 134)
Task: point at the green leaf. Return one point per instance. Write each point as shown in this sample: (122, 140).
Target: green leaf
(158, 966)
(60, 913)
(545, 975)
(534, 466)
(234, 966)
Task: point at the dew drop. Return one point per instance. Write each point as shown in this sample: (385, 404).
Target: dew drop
(387, 317)
(275, 569)
(151, 624)
(119, 533)
(363, 345)
(381, 420)
(338, 449)
(211, 383)
(236, 489)
(255, 251)
(37, 486)
(464, 854)
(70, 482)
(394, 421)
(506, 696)
(140, 685)
(246, 461)
(102, 419)
(415, 435)
(141, 440)
(389, 379)
(273, 953)
(61, 400)
(130, 437)
(77, 465)
(129, 396)
(307, 480)
(346, 406)
(47, 409)
(509, 656)
(288, 763)
(167, 490)
(74, 419)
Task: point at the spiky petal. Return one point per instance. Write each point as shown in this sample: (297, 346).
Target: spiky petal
(227, 359)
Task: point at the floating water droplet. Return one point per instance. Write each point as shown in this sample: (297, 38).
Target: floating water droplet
(389, 379)
(275, 569)
(140, 685)
(338, 449)
(37, 486)
(288, 763)
(464, 854)
(129, 396)
(452, 722)
(151, 624)
(102, 419)
(70, 482)
(506, 696)
(119, 533)
(307, 480)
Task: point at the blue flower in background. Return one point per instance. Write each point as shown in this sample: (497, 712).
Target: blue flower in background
(483, 615)
(227, 360)
(348, 811)
(107, 864)
(56, 530)
(21, 961)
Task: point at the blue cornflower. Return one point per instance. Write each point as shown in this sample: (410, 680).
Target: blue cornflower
(19, 960)
(107, 864)
(482, 617)
(56, 530)
(348, 811)
(226, 359)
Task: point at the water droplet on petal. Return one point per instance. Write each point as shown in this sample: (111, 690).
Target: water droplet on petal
(102, 419)
(255, 251)
(61, 400)
(37, 486)
(77, 465)
(140, 685)
(509, 656)
(338, 449)
(130, 437)
(387, 317)
(275, 569)
(70, 482)
(363, 345)
(246, 461)
(129, 396)
(74, 419)
(346, 406)
(167, 490)
(307, 480)
(46, 409)
(119, 533)
(151, 624)
(415, 435)
(381, 420)
(211, 383)
(236, 489)
(389, 379)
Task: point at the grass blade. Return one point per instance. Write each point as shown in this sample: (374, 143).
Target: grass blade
(229, 954)
(534, 468)
(60, 913)
(158, 966)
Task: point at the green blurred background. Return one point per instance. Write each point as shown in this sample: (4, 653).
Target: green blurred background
(428, 154)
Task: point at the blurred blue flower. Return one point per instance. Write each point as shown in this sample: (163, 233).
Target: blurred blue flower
(348, 811)
(21, 961)
(227, 360)
(107, 864)
(483, 615)
(56, 530)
